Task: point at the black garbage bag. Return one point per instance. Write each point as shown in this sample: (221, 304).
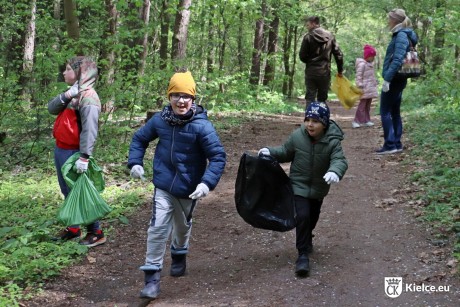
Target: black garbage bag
(263, 194)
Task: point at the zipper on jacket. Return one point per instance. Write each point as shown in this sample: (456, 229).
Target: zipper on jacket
(171, 157)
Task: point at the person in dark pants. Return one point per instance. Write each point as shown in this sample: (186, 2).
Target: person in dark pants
(318, 47)
(317, 160)
(403, 37)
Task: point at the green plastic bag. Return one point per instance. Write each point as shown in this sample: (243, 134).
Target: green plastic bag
(84, 205)
(94, 172)
(346, 92)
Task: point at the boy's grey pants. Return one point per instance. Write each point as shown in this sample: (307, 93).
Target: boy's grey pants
(169, 217)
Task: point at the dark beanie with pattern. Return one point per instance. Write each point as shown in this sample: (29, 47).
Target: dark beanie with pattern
(319, 111)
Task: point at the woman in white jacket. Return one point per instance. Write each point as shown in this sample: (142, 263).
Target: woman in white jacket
(367, 82)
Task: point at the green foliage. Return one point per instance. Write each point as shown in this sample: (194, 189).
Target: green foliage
(28, 255)
(231, 93)
(434, 128)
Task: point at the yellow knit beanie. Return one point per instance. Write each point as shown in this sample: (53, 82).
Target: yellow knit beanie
(182, 82)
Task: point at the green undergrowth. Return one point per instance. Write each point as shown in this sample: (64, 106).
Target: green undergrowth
(30, 198)
(434, 133)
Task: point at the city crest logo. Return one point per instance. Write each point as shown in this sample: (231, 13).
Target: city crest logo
(393, 286)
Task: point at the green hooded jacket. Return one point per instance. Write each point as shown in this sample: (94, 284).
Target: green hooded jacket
(311, 161)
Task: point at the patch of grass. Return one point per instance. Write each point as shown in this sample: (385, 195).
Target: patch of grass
(28, 255)
(436, 138)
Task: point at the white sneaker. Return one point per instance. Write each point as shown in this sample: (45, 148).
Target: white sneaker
(355, 125)
(369, 124)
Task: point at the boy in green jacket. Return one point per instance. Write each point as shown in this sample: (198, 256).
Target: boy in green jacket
(318, 160)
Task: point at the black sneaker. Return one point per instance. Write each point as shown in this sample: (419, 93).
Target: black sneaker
(69, 233)
(385, 151)
(93, 239)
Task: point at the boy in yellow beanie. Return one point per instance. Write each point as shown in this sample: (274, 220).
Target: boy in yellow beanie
(188, 162)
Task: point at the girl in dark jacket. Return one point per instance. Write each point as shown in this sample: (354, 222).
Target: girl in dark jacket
(403, 37)
(188, 162)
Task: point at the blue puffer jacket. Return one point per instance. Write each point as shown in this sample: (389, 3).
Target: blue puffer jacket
(182, 153)
(396, 51)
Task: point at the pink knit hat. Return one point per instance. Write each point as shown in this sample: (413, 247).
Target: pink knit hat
(369, 51)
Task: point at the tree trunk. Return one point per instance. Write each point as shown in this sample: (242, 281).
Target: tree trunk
(286, 56)
(269, 74)
(145, 46)
(439, 37)
(165, 20)
(258, 47)
(71, 19)
(211, 44)
(240, 39)
(223, 46)
(179, 43)
(57, 9)
(29, 42)
(108, 53)
(294, 61)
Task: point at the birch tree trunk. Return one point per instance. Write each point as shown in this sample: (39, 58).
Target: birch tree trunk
(145, 46)
(29, 42)
(28, 58)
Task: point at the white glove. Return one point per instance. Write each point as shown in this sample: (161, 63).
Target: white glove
(264, 151)
(201, 191)
(137, 172)
(81, 165)
(72, 91)
(385, 86)
(331, 177)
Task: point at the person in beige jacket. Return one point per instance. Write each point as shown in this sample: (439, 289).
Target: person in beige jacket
(367, 82)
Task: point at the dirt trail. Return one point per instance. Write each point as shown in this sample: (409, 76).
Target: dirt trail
(366, 232)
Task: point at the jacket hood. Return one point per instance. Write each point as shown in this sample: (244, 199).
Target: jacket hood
(320, 35)
(360, 60)
(88, 74)
(410, 34)
(333, 132)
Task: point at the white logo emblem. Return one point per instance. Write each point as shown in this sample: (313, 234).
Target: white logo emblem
(393, 286)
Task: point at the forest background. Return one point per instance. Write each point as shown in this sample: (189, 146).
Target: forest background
(244, 57)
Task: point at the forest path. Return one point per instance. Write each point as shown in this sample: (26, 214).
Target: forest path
(367, 231)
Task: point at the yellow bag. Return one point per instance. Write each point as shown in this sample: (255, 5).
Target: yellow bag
(346, 92)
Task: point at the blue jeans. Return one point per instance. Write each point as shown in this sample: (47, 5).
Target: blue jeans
(390, 113)
(60, 157)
